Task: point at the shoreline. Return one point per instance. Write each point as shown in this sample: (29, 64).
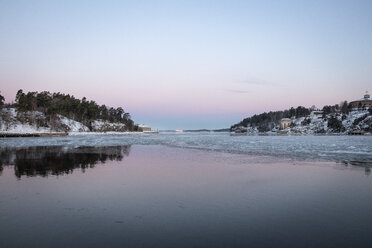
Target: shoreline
(56, 134)
(24, 135)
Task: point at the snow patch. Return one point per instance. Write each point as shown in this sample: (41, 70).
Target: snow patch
(73, 126)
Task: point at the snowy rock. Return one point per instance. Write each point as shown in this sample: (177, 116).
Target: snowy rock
(71, 125)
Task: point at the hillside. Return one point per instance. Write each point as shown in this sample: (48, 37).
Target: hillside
(12, 121)
(42, 112)
(333, 120)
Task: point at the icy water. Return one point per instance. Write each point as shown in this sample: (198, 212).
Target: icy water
(320, 148)
(186, 190)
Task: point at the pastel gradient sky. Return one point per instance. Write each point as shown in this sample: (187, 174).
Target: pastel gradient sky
(189, 64)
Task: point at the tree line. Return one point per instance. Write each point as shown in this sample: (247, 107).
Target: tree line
(83, 110)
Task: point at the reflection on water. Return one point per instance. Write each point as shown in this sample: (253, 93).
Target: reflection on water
(366, 165)
(57, 160)
(169, 197)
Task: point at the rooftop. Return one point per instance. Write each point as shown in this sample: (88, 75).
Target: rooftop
(142, 125)
(366, 97)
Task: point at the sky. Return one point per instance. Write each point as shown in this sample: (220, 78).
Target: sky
(189, 64)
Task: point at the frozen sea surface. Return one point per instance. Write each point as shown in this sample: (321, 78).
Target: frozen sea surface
(318, 148)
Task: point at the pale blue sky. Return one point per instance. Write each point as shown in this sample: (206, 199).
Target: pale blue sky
(189, 64)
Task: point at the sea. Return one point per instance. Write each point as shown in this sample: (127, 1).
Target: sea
(186, 190)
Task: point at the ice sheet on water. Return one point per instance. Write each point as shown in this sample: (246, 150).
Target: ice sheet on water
(331, 148)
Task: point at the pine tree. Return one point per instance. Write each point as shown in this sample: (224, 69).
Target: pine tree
(2, 99)
(344, 107)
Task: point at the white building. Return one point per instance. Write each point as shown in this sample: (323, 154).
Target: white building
(285, 122)
(144, 128)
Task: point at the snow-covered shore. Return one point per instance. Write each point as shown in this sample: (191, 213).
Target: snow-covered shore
(13, 124)
(355, 121)
(35, 122)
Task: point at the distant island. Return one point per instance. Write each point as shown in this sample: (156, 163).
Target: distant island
(345, 118)
(45, 112)
(207, 130)
(196, 130)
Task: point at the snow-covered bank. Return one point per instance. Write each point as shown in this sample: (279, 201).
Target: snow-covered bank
(12, 122)
(71, 125)
(32, 122)
(335, 123)
(354, 121)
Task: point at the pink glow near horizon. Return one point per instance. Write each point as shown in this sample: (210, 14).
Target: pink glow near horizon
(199, 101)
(216, 62)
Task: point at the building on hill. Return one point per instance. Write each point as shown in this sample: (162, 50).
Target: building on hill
(365, 102)
(285, 122)
(316, 113)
